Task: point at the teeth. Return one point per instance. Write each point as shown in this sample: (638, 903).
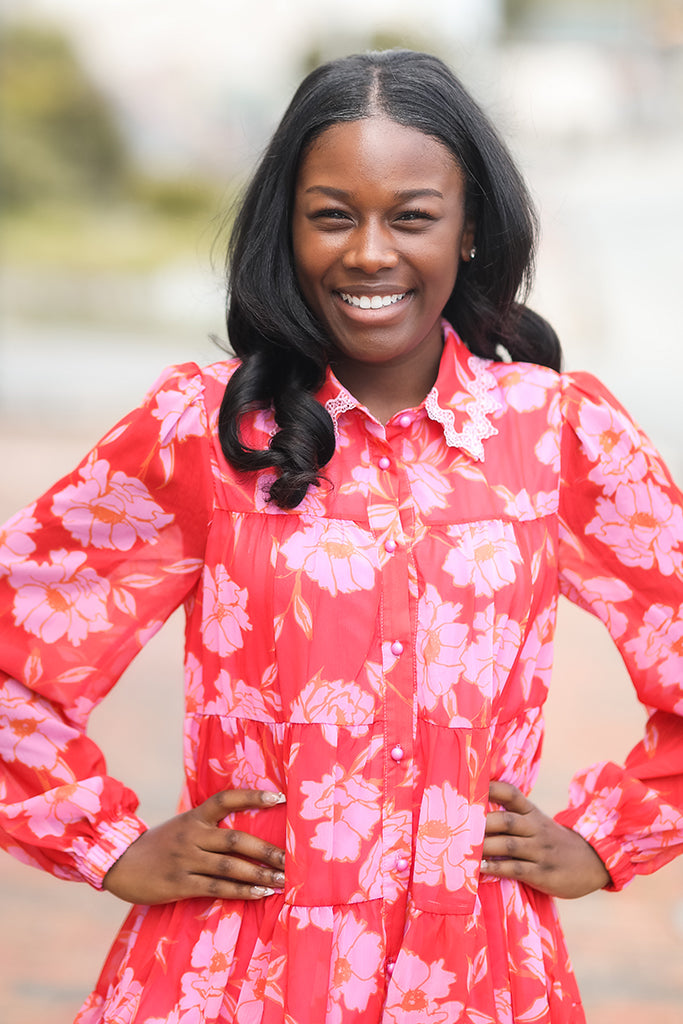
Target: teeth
(368, 302)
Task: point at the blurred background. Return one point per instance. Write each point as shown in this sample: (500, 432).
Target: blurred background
(128, 128)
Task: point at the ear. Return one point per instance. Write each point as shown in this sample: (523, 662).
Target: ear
(467, 241)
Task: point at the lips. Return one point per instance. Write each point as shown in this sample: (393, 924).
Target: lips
(371, 301)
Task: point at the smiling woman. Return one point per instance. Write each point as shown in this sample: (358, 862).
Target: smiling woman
(368, 516)
(378, 231)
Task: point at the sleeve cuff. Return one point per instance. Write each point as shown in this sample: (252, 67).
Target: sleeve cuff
(93, 860)
(614, 855)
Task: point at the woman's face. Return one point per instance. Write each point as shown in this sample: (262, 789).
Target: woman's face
(378, 232)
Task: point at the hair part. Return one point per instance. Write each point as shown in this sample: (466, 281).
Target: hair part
(283, 348)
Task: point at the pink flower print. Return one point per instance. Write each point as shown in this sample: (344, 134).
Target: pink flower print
(212, 955)
(600, 819)
(337, 701)
(180, 417)
(489, 655)
(339, 556)
(56, 809)
(642, 526)
(613, 444)
(601, 594)
(263, 981)
(449, 829)
(109, 510)
(429, 488)
(528, 506)
(440, 644)
(60, 598)
(660, 642)
(547, 449)
(224, 612)
(123, 1002)
(419, 992)
(348, 810)
(356, 952)
(30, 734)
(194, 688)
(525, 390)
(484, 556)
(15, 538)
(236, 698)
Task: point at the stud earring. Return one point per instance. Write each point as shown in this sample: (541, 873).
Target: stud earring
(473, 252)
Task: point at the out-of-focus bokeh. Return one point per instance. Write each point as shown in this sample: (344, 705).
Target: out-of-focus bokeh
(128, 127)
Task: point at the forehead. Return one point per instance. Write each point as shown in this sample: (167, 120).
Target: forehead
(381, 151)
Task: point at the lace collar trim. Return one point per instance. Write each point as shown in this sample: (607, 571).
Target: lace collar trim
(470, 399)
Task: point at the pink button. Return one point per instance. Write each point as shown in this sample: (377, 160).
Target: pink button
(390, 967)
(390, 545)
(397, 752)
(405, 420)
(397, 647)
(401, 864)
(384, 462)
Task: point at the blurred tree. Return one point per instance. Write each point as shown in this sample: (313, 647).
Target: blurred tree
(60, 137)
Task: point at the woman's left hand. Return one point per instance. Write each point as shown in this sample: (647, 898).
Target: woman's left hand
(533, 848)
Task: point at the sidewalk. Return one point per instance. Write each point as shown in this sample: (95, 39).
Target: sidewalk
(627, 948)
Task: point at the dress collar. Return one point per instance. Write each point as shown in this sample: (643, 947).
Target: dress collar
(460, 401)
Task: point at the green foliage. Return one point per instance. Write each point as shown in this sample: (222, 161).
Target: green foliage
(60, 138)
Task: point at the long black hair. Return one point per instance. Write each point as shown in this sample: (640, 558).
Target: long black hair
(283, 347)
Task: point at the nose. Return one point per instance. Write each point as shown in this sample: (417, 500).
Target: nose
(370, 248)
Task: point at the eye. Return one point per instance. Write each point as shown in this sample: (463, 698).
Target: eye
(330, 213)
(409, 216)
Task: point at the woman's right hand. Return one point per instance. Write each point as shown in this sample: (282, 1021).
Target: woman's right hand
(191, 856)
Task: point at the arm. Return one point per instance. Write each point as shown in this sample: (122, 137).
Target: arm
(621, 557)
(87, 574)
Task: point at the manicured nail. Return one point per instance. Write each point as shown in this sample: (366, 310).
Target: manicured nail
(485, 865)
(279, 879)
(261, 890)
(273, 798)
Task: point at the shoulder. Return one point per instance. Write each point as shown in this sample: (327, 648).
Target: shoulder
(185, 385)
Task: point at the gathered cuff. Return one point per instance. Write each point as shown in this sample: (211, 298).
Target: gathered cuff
(112, 839)
(613, 854)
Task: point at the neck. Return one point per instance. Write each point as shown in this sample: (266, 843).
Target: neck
(386, 390)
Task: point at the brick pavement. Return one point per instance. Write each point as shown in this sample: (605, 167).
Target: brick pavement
(627, 948)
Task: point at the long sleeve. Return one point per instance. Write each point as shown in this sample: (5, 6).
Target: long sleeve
(87, 574)
(621, 557)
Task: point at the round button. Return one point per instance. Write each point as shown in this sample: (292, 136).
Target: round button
(401, 864)
(397, 647)
(384, 462)
(390, 545)
(390, 967)
(397, 752)
(405, 420)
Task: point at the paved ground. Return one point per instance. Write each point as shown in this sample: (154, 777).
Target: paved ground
(627, 948)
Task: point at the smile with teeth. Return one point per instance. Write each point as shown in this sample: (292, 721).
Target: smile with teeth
(371, 301)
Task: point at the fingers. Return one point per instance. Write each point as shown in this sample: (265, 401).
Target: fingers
(229, 801)
(231, 842)
(509, 797)
(193, 855)
(523, 843)
(237, 869)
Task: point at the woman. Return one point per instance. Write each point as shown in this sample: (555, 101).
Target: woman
(368, 517)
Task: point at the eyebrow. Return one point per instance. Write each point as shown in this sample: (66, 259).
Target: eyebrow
(408, 194)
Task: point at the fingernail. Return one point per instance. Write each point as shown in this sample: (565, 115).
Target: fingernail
(485, 865)
(279, 879)
(261, 890)
(273, 798)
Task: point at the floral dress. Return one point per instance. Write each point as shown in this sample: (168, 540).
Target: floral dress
(379, 654)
